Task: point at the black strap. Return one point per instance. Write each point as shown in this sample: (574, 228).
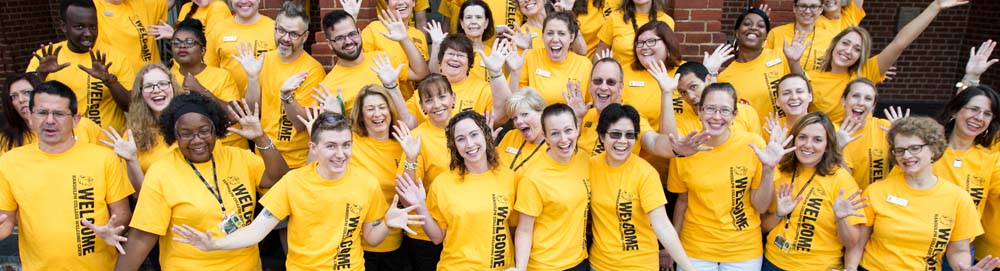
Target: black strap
(217, 193)
(512, 167)
(795, 172)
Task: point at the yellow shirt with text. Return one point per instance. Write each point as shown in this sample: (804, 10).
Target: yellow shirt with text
(224, 41)
(756, 81)
(550, 78)
(125, 28)
(974, 170)
(829, 87)
(374, 156)
(869, 155)
(620, 34)
(989, 242)
(292, 144)
(557, 195)
(588, 141)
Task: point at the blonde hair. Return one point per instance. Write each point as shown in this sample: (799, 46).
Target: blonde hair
(526, 98)
(141, 120)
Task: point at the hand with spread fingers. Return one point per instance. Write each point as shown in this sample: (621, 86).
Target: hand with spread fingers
(111, 234)
(251, 63)
(574, 98)
(412, 192)
(352, 7)
(849, 206)
(249, 119)
(312, 113)
(410, 144)
(400, 218)
(99, 66)
(188, 235)
(48, 61)
(394, 23)
(124, 148)
(713, 62)
(327, 101)
(785, 204)
(437, 34)
(775, 149)
(161, 31)
(797, 47)
(385, 71)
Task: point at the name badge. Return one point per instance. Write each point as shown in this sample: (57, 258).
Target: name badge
(511, 150)
(543, 73)
(636, 83)
(229, 39)
(108, 13)
(773, 62)
(897, 201)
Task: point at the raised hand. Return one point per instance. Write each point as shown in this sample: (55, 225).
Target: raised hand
(410, 144)
(515, 61)
(798, 46)
(894, 113)
(718, 57)
(413, 193)
(188, 235)
(400, 218)
(394, 23)
(491, 123)
(249, 119)
(436, 32)
(772, 123)
(845, 207)
(785, 203)
(521, 37)
(161, 31)
(99, 66)
(602, 54)
(111, 234)
(765, 8)
(563, 5)
(690, 144)
(494, 62)
(943, 4)
(251, 64)
(383, 68)
(312, 113)
(292, 83)
(327, 101)
(775, 149)
(848, 128)
(352, 7)
(574, 98)
(659, 72)
(124, 148)
(987, 263)
(979, 60)
(890, 73)
(48, 61)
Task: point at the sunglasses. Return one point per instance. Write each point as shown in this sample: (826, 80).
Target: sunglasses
(630, 135)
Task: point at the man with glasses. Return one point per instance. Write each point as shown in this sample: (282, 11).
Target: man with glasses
(818, 38)
(694, 77)
(97, 77)
(60, 188)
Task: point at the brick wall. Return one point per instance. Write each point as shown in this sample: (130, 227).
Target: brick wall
(24, 24)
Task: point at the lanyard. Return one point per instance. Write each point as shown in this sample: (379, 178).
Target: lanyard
(512, 167)
(215, 192)
(795, 172)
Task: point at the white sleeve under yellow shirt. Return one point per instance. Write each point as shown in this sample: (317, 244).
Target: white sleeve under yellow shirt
(172, 194)
(304, 197)
(52, 193)
(292, 144)
(94, 100)
(720, 223)
(125, 28)
(476, 211)
(223, 42)
(622, 199)
(620, 34)
(380, 158)
(558, 196)
(911, 228)
(756, 81)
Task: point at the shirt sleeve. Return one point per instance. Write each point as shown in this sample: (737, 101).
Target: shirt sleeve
(118, 185)
(314, 75)
(376, 201)
(7, 201)
(755, 183)
(871, 71)
(967, 223)
(152, 211)
(870, 210)
(434, 208)
(674, 182)
(607, 34)
(651, 194)
(529, 201)
(276, 199)
(255, 165)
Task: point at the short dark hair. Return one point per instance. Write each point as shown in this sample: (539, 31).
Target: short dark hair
(759, 12)
(329, 121)
(957, 102)
(64, 5)
(555, 110)
(614, 112)
(488, 32)
(663, 31)
(569, 18)
(693, 67)
(291, 9)
(195, 27)
(333, 18)
(187, 103)
(53, 87)
(461, 43)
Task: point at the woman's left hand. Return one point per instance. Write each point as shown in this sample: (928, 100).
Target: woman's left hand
(400, 218)
(248, 118)
(772, 153)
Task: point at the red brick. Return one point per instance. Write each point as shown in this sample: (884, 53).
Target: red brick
(689, 27)
(706, 14)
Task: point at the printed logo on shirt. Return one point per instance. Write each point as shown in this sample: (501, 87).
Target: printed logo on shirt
(678, 105)
(501, 210)
(352, 217)
(464, 105)
(942, 236)
(83, 207)
(586, 213)
(147, 53)
(512, 6)
(95, 94)
(242, 197)
(285, 127)
(260, 47)
(807, 219)
(877, 172)
(772, 78)
(607, 12)
(626, 227)
(974, 185)
(739, 183)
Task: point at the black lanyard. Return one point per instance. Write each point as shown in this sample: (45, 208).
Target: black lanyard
(217, 193)
(795, 172)
(512, 167)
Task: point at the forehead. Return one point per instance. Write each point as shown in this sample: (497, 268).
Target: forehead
(754, 18)
(690, 78)
(154, 75)
(373, 99)
(465, 126)
(860, 88)
(336, 137)
(902, 140)
(20, 85)
(193, 120)
(979, 100)
(622, 124)
(792, 83)
(343, 26)
(606, 70)
(556, 24)
(49, 101)
(474, 10)
(717, 98)
(559, 121)
(853, 37)
(808, 2)
(813, 129)
(77, 14)
(290, 24)
(648, 34)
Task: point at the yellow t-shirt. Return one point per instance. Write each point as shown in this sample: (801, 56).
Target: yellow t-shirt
(588, 141)
(620, 34)
(469, 95)
(869, 155)
(642, 91)
(223, 42)
(974, 170)
(173, 194)
(623, 236)
(419, 5)
(829, 87)
(351, 80)
(125, 28)
(149, 157)
(374, 156)
(93, 98)
(52, 193)
(433, 160)
(219, 82)
(989, 242)
(850, 15)
(517, 154)
(746, 120)
(756, 81)
(550, 78)
(210, 16)
(811, 227)
(373, 40)
(467, 208)
(590, 26)
(816, 44)
(720, 223)
(536, 37)
(558, 196)
(305, 198)
(912, 228)
(292, 144)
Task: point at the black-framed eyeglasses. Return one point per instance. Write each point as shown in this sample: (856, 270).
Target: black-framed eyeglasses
(913, 149)
(282, 32)
(608, 81)
(340, 39)
(809, 7)
(161, 85)
(203, 134)
(647, 43)
(184, 43)
(630, 135)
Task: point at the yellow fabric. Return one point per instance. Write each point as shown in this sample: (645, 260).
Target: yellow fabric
(517, 154)
(304, 197)
(469, 95)
(811, 228)
(223, 42)
(125, 28)
(756, 81)
(505, 12)
(976, 174)
(52, 193)
(461, 205)
(433, 160)
(816, 44)
(351, 80)
(989, 243)
(620, 34)
(590, 26)
(418, 5)
(536, 37)
(624, 195)
(746, 120)
(869, 155)
(915, 236)
(373, 156)
(210, 16)
(292, 144)
(642, 91)
(549, 78)
(829, 87)
(373, 40)
(149, 157)
(720, 223)
(85, 132)
(172, 194)
(850, 15)
(589, 143)
(219, 82)
(557, 195)
(94, 100)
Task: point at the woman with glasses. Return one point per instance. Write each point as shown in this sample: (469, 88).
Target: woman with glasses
(14, 98)
(548, 67)
(457, 60)
(818, 37)
(247, 28)
(694, 78)
(202, 184)
(375, 37)
(475, 21)
(655, 43)
(723, 191)
(915, 218)
(621, 27)
(189, 50)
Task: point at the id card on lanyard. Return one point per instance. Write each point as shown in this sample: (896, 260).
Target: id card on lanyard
(230, 221)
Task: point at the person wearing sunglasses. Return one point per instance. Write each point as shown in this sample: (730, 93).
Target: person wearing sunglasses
(392, 35)
(916, 218)
(188, 48)
(246, 28)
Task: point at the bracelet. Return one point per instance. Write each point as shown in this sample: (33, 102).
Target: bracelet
(392, 87)
(409, 165)
(270, 145)
(287, 98)
(491, 76)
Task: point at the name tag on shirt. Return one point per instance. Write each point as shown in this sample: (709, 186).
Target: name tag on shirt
(543, 73)
(636, 83)
(511, 150)
(108, 13)
(229, 39)
(773, 62)
(897, 200)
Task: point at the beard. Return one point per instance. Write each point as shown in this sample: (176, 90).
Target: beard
(349, 56)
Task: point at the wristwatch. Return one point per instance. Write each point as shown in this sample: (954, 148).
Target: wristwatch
(287, 98)
(410, 165)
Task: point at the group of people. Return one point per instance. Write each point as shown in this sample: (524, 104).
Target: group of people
(539, 135)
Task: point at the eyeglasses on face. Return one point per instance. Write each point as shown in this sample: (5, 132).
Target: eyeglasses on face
(913, 149)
